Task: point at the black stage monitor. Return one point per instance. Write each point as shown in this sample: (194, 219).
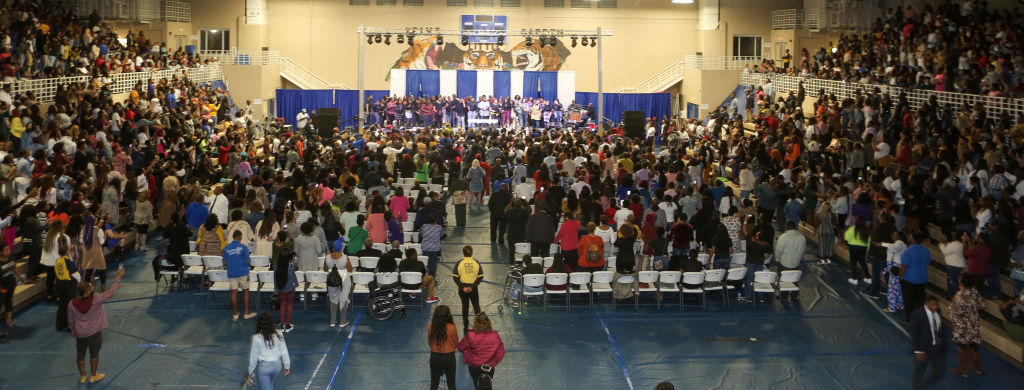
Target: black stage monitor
(633, 124)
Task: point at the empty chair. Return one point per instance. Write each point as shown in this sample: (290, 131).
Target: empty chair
(407, 226)
(601, 282)
(436, 187)
(548, 261)
(381, 247)
(411, 216)
(556, 279)
(423, 259)
(191, 246)
(410, 236)
(714, 281)
(536, 283)
(735, 278)
(691, 279)
(265, 282)
(300, 277)
(166, 274)
(360, 284)
(413, 278)
(703, 258)
(193, 267)
(218, 283)
(522, 248)
(259, 263)
(628, 280)
(739, 258)
(213, 262)
(609, 263)
(764, 282)
(369, 263)
(554, 248)
(316, 284)
(788, 281)
(650, 278)
(414, 246)
(579, 284)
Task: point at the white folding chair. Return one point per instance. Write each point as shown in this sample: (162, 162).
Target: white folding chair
(386, 278)
(411, 216)
(533, 281)
(436, 187)
(300, 290)
(521, 248)
(693, 279)
(369, 263)
(650, 278)
(788, 282)
(414, 278)
(316, 284)
(410, 236)
(556, 279)
(629, 280)
(548, 261)
(259, 263)
(194, 267)
(668, 282)
(382, 247)
(166, 275)
(714, 281)
(423, 259)
(578, 284)
(764, 282)
(735, 277)
(218, 283)
(407, 226)
(739, 258)
(213, 262)
(554, 248)
(609, 263)
(191, 246)
(413, 246)
(360, 284)
(601, 282)
(702, 258)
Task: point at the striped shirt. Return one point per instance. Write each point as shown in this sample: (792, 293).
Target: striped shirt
(430, 237)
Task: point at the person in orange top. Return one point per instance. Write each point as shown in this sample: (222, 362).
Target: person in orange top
(443, 338)
(794, 153)
(299, 146)
(591, 249)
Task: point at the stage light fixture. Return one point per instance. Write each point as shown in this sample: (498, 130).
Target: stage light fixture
(369, 39)
(377, 39)
(465, 40)
(574, 41)
(400, 39)
(411, 39)
(387, 39)
(543, 41)
(552, 41)
(440, 40)
(501, 39)
(529, 41)
(593, 41)
(584, 42)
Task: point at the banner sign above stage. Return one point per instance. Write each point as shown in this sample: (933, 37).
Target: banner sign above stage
(484, 23)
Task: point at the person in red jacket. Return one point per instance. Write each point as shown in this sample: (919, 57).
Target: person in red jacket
(568, 238)
(481, 348)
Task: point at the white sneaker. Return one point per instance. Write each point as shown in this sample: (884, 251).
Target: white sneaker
(333, 325)
(314, 298)
(866, 281)
(343, 324)
(852, 281)
(302, 298)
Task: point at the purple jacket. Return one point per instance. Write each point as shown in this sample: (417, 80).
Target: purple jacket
(93, 320)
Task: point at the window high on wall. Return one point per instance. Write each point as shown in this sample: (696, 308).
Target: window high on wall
(214, 39)
(554, 3)
(483, 3)
(457, 3)
(746, 45)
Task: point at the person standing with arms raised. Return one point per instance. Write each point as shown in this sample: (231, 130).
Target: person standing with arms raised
(87, 319)
(468, 274)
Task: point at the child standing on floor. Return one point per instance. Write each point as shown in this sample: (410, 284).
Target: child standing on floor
(143, 217)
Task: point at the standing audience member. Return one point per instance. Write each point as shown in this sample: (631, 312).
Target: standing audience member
(87, 319)
(236, 258)
(927, 343)
(268, 353)
(443, 338)
(482, 350)
(965, 315)
(914, 273)
(468, 274)
(66, 278)
(285, 283)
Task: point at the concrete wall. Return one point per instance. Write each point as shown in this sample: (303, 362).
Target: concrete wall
(709, 87)
(648, 34)
(253, 82)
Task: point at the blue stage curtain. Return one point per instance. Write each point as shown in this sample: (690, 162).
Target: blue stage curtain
(347, 102)
(291, 101)
(652, 104)
(612, 108)
(466, 83)
(430, 83)
(378, 94)
(412, 82)
(531, 84)
(502, 84)
(549, 85)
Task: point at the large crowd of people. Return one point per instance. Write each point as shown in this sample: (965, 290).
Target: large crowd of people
(49, 39)
(954, 46)
(485, 111)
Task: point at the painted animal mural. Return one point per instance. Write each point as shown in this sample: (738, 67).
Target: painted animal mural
(426, 54)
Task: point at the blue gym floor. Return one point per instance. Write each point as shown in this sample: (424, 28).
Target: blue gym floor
(834, 338)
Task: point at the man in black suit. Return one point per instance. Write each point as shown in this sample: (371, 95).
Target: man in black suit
(929, 347)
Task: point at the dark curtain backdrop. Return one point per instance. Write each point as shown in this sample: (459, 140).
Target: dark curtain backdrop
(502, 83)
(549, 85)
(430, 82)
(652, 104)
(412, 82)
(531, 84)
(465, 83)
(291, 101)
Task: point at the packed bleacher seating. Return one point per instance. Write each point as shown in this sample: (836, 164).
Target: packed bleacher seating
(955, 46)
(48, 39)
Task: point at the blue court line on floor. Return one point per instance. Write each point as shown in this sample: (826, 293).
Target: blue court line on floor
(348, 342)
(618, 356)
(322, 358)
(137, 358)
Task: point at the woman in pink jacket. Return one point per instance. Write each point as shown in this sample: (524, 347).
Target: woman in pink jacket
(399, 205)
(87, 319)
(482, 347)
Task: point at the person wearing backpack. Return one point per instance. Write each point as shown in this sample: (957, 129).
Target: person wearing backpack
(285, 283)
(591, 247)
(482, 350)
(338, 283)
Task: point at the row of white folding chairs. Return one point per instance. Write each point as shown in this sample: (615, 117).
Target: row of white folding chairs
(361, 282)
(196, 265)
(383, 247)
(370, 262)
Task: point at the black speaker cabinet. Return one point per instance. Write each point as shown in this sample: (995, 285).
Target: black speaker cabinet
(633, 124)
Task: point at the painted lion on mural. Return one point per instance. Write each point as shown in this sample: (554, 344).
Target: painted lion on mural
(426, 54)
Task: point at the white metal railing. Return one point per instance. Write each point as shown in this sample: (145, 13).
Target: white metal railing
(241, 57)
(45, 89)
(852, 15)
(176, 11)
(137, 10)
(659, 81)
(700, 62)
(994, 106)
(787, 19)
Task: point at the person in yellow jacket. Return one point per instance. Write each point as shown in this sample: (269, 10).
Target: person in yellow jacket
(858, 237)
(468, 274)
(210, 241)
(67, 277)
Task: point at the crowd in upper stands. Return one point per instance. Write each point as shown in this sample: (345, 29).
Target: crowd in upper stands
(955, 46)
(47, 39)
